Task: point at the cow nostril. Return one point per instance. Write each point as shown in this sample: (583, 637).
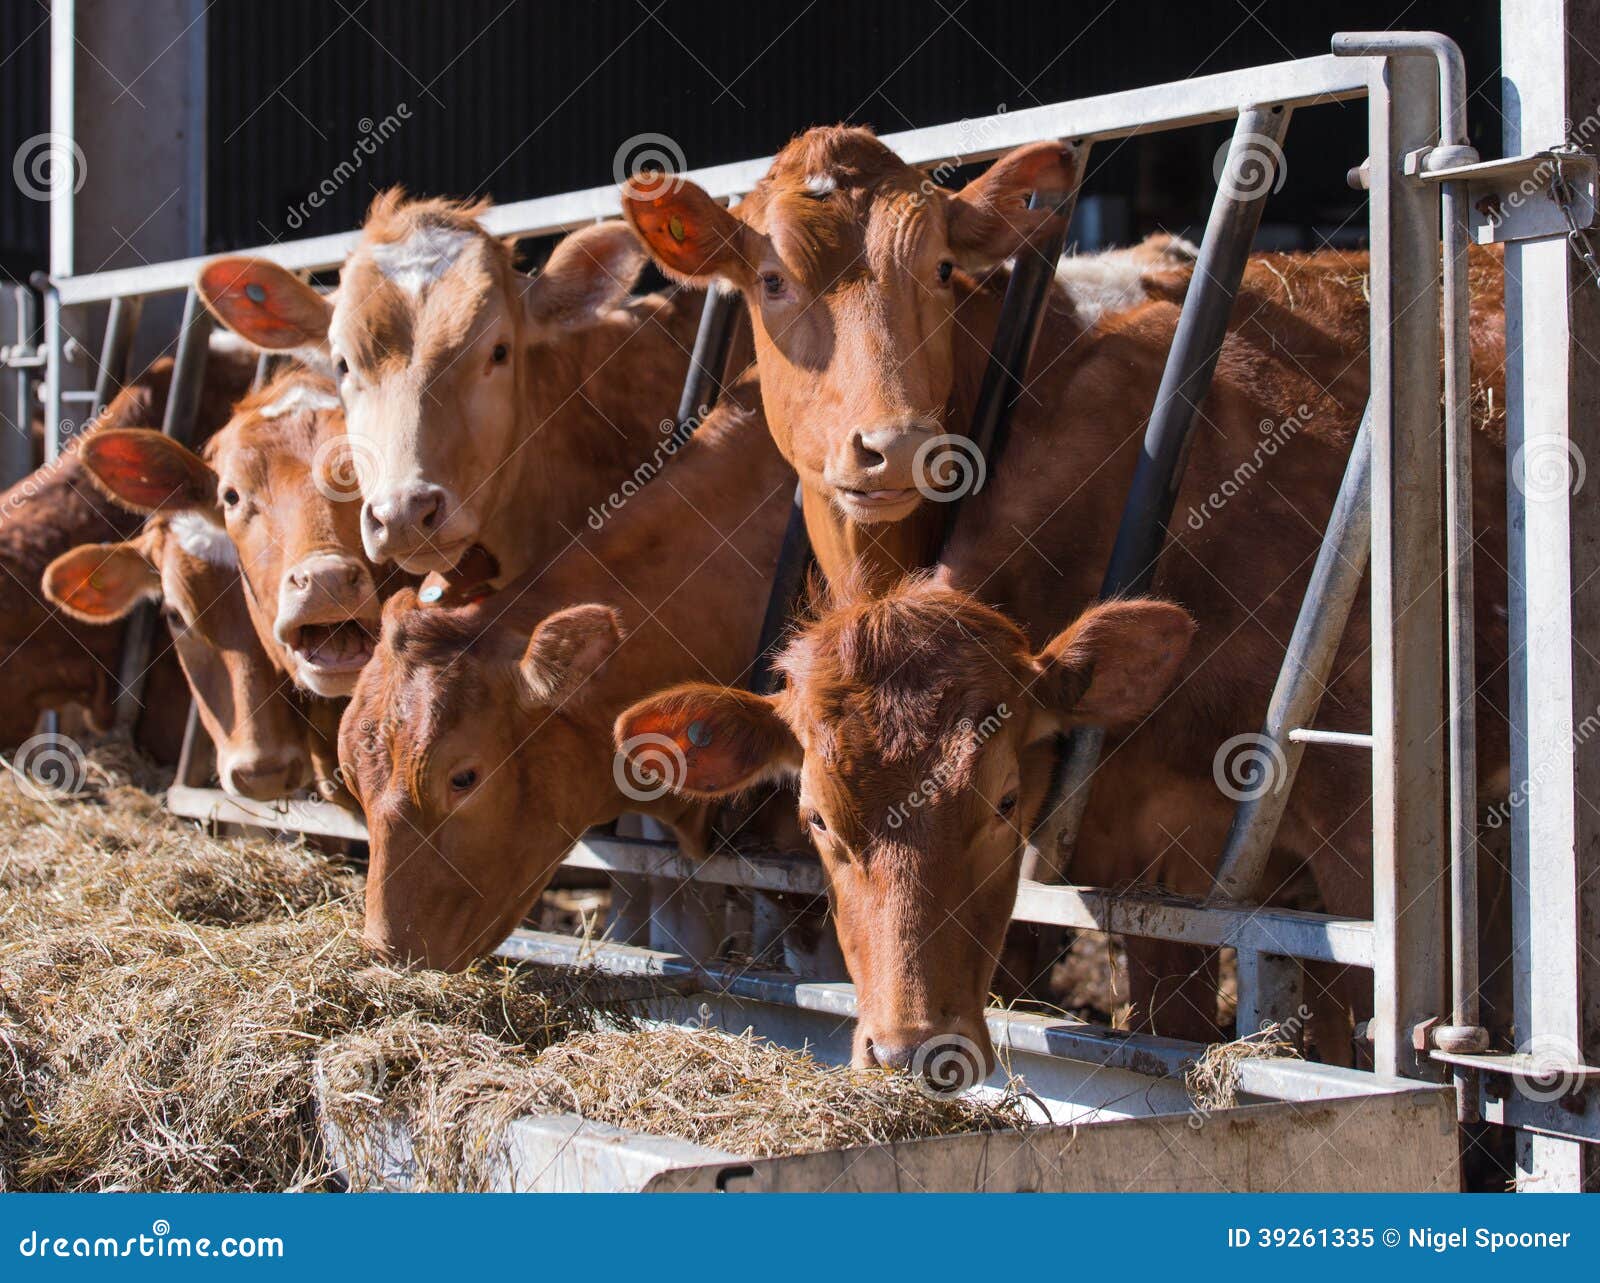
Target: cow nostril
(866, 457)
(370, 521)
(430, 511)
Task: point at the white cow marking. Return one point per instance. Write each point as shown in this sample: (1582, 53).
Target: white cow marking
(300, 397)
(422, 258)
(204, 539)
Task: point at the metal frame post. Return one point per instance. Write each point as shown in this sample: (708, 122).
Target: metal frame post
(1409, 801)
(1253, 156)
(1553, 411)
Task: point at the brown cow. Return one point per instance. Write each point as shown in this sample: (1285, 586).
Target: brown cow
(278, 480)
(479, 737)
(269, 742)
(909, 722)
(486, 408)
(869, 341)
(55, 660)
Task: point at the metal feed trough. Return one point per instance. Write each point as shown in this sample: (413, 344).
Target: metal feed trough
(1421, 177)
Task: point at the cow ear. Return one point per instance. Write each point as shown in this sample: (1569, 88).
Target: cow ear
(566, 648)
(688, 234)
(704, 741)
(989, 217)
(591, 273)
(149, 471)
(1112, 666)
(264, 304)
(101, 582)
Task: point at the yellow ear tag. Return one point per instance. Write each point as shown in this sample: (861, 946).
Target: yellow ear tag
(675, 228)
(96, 580)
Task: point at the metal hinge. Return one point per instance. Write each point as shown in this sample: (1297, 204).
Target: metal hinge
(1520, 198)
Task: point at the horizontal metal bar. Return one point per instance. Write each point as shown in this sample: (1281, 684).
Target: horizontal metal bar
(1348, 739)
(1285, 932)
(1022, 1033)
(291, 816)
(1517, 1064)
(1305, 82)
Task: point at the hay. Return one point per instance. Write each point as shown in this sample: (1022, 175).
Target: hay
(453, 1093)
(1213, 1080)
(165, 996)
(144, 1045)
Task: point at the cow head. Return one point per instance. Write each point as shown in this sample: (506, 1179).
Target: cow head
(280, 480)
(187, 563)
(434, 338)
(850, 261)
(478, 763)
(907, 723)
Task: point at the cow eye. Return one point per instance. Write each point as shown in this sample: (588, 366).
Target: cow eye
(772, 283)
(946, 270)
(501, 351)
(461, 781)
(230, 497)
(817, 822)
(341, 367)
(1008, 804)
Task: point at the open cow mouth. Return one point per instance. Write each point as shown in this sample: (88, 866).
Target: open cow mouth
(342, 647)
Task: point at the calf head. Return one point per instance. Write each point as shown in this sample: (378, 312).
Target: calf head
(907, 723)
(478, 763)
(848, 259)
(279, 480)
(433, 336)
(187, 563)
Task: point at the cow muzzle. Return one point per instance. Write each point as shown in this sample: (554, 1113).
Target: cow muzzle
(418, 526)
(263, 775)
(949, 1060)
(878, 475)
(328, 620)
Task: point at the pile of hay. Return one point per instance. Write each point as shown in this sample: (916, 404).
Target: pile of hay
(166, 995)
(453, 1092)
(1213, 1080)
(163, 995)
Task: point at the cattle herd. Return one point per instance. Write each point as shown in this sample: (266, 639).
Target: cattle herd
(455, 565)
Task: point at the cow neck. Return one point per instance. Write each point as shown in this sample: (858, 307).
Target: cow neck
(591, 419)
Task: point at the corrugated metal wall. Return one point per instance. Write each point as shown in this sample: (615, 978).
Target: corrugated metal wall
(25, 109)
(525, 98)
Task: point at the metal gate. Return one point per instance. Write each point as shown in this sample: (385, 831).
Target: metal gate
(1422, 180)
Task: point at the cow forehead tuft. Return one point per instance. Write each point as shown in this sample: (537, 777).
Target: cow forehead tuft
(203, 538)
(422, 257)
(298, 397)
